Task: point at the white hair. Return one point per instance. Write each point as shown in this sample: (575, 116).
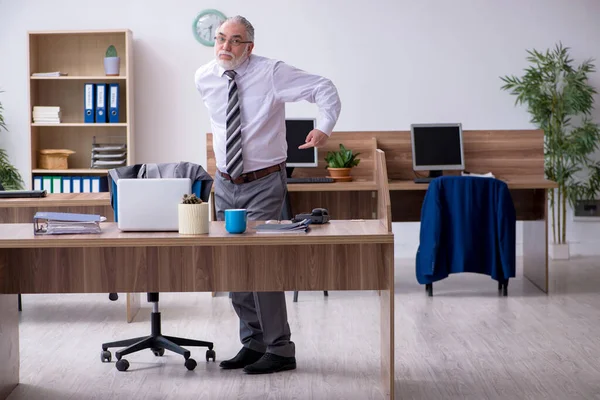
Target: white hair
(241, 20)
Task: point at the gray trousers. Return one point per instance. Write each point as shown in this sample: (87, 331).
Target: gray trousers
(263, 315)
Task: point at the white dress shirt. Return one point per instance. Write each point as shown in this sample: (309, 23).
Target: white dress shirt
(264, 86)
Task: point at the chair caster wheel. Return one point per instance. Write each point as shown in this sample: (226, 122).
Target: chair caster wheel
(190, 364)
(105, 356)
(122, 365)
(158, 352)
(113, 296)
(210, 354)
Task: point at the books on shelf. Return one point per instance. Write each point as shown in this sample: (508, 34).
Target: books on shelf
(295, 227)
(50, 74)
(46, 115)
(58, 223)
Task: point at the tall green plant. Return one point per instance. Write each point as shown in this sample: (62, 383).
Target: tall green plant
(556, 94)
(9, 175)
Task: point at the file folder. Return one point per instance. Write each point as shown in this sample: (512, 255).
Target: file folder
(89, 110)
(95, 180)
(114, 103)
(101, 103)
(56, 184)
(57, 223)
(47, 183)
(86, 184)
(66, 184)
(76, 184)
(37, 183)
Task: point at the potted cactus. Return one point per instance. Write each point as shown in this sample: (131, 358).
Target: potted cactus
(111, 62)
(340, 163)
(193, 215)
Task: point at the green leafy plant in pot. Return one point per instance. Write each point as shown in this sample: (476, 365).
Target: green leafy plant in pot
(340, 163)
(111, 61)
(560, 100)
(9, 175)
(193, 215)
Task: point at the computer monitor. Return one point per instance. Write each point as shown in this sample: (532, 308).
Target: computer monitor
(437, 147)
(296, 131)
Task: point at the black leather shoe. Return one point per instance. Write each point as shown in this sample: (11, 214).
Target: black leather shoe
(271, 363)
(244, 357)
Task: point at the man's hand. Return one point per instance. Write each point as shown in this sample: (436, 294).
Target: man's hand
(315, 138)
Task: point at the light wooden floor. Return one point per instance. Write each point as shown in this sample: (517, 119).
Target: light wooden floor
(464, 343)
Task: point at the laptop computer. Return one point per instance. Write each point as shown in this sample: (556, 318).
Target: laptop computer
(147, 204)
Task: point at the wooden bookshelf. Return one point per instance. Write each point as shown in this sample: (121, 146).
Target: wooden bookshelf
(79, 171)
(80, 54)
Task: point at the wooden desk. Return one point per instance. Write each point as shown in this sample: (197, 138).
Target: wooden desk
(530, 199)
(514, 156)
(344, 200)
(341, 255)
(23, 210)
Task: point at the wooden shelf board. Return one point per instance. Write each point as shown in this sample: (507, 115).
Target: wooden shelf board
(85, 125)
(65, 78)
(80, 32)
(70, 171)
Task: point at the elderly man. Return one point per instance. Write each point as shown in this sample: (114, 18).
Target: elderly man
(245, 95)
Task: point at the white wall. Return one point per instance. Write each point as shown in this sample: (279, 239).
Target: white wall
(395, 62)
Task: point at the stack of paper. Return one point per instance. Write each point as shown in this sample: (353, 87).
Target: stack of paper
(46, 115)
(50, 74)
(301, 226)
(57, 223)
(108, 155)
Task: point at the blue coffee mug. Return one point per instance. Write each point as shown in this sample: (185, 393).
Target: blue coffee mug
(235, 220)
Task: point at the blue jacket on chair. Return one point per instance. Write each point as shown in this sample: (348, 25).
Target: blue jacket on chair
(468, 224)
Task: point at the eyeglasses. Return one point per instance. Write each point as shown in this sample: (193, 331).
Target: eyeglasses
(233, 42)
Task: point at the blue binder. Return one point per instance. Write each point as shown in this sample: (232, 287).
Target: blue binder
(37, 182)
(114, 103)
(89, 105)
(101, 103)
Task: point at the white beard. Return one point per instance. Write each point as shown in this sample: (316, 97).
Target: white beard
(234, 62)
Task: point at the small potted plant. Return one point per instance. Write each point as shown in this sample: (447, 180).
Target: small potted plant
(193, 215)
(111, 62)
(340, 163)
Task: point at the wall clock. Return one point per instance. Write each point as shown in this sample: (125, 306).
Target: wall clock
(205, 26)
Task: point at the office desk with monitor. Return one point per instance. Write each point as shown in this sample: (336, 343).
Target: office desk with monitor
(514, 156)
(344, 200)
(22, 211)
(340, 255)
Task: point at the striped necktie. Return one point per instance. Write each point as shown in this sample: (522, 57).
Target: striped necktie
(233, 156)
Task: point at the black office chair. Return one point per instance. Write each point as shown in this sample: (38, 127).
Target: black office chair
(157, 342)
(325, 293)
(502, 287)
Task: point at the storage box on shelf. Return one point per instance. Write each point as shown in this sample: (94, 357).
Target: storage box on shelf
(61, 63)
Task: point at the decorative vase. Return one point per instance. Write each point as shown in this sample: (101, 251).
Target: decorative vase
(559, 251)
(193, 219)
(340, 174)
(111, 66)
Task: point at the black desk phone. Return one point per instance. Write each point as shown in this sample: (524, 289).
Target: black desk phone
(317, 216)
